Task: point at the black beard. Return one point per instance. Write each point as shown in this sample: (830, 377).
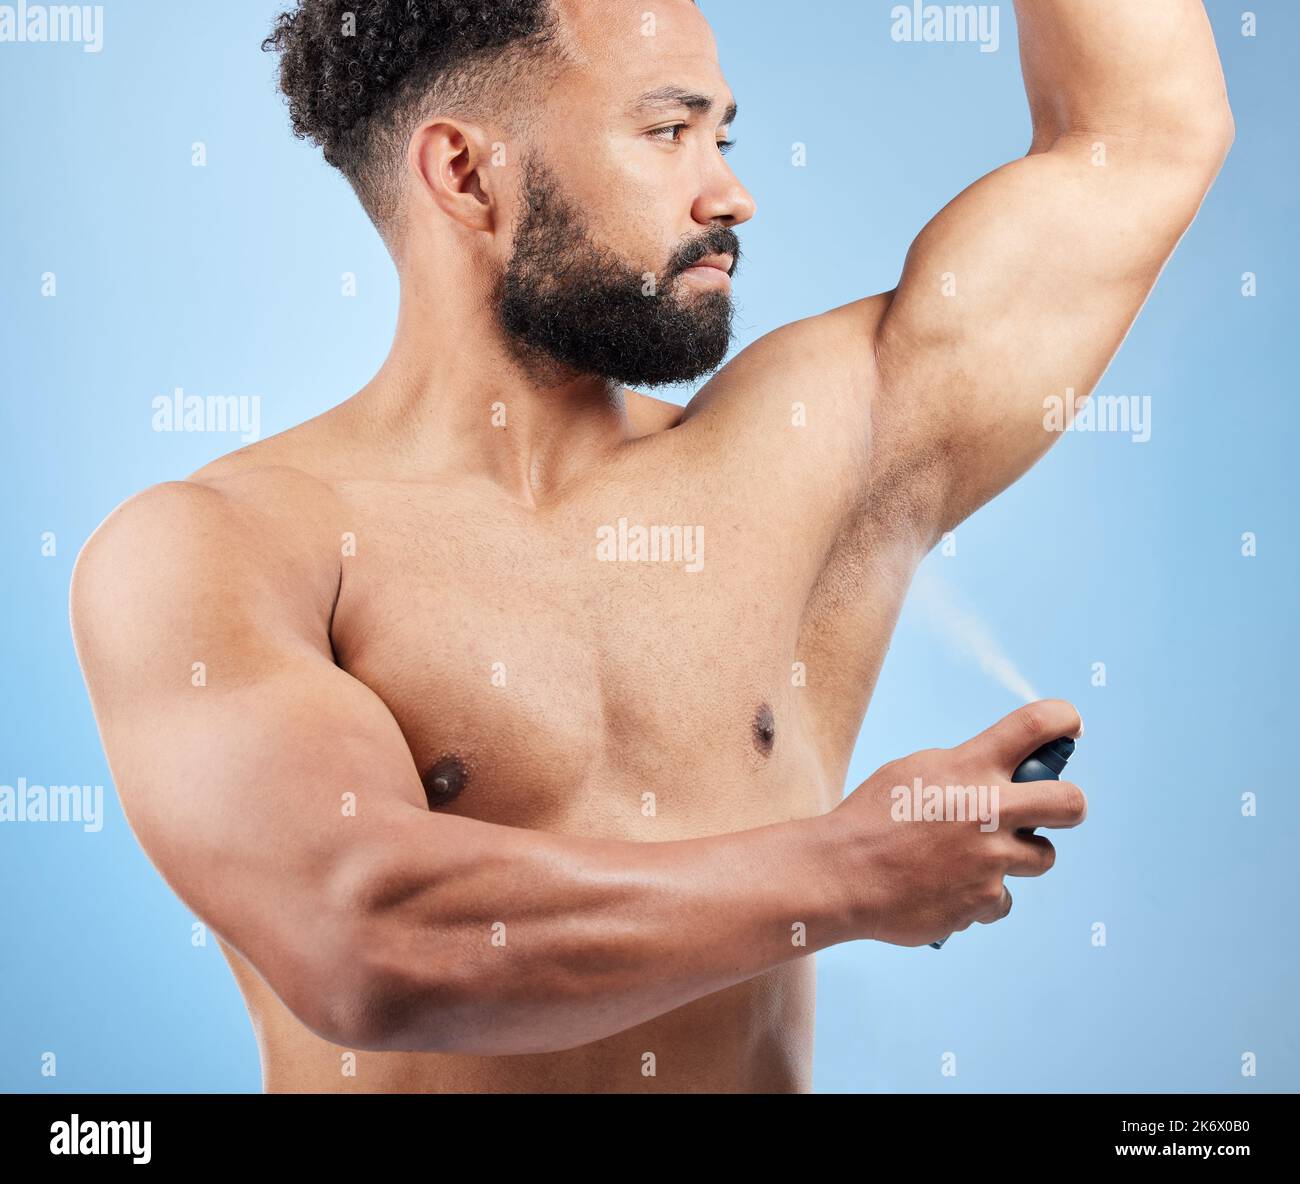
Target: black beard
(564, 300)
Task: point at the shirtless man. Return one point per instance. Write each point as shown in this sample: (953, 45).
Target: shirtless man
(451, 771)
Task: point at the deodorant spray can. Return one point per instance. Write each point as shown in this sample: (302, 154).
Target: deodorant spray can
(1046, 764)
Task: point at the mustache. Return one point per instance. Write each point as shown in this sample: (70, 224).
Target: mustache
(719, 241)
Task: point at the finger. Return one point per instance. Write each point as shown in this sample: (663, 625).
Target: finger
(1059, 804)
(1026, 730)
(1032, 855)
(1000, 910)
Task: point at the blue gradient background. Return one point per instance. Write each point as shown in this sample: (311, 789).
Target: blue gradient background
(226, 280)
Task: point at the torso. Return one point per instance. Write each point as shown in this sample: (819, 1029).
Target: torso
(540, 686)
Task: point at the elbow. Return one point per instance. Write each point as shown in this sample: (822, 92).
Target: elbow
(381, 995)
(374, 982)
(1227, 123)
(1205, 140)
(397, 973)
(1228, 133)
(1219, 132)
(1193, 156)
(384, 1008)
(375, 998)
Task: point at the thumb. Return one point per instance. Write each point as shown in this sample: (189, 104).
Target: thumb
(1026, 730)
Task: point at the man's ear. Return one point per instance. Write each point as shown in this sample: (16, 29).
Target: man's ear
(455, 166)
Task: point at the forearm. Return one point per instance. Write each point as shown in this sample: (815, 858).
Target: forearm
(1145, 69)
(494, 940)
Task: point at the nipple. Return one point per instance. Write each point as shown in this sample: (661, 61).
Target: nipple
(444, 781)
(764, 729)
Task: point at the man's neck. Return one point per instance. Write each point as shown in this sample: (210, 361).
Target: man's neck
(451, 396)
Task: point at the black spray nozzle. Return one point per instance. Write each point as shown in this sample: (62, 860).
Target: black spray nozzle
(1046, 764)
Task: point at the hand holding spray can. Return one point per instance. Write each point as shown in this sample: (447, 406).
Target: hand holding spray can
(1046, 764)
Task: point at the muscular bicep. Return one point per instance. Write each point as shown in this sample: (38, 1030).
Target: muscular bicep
(249, 766)
(1022, 289)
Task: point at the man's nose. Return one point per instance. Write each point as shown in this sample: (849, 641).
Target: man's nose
(726, 201)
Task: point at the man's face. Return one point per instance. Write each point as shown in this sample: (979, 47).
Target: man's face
(624, 191)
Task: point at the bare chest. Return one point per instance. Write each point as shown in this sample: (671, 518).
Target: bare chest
(626, 671)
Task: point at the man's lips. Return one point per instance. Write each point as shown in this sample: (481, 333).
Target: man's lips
(723, 263)
(713, 270)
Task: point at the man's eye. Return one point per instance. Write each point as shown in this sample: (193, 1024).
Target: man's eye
(658, 133)
(724, 146)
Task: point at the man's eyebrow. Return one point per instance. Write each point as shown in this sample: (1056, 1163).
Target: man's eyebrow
(676, 96)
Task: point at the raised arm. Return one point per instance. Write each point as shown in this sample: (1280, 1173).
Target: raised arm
(1025, 285)
(873, 427)
(277, 797)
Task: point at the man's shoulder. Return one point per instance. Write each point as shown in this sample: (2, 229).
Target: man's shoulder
(246, 520)
(266, 489)
(293, 458)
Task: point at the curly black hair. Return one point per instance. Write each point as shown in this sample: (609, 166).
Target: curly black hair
(359, 75)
